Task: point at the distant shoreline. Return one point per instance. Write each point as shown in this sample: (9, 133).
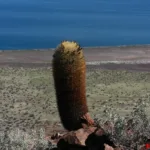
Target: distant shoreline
(135, 57)
(89, 47)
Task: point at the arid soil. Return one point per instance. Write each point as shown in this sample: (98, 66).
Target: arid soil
(27, 94)
(42, 58)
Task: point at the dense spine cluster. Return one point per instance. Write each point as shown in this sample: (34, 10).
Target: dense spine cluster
(69, 72)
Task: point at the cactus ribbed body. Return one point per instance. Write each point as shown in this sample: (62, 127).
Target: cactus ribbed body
(69, 72)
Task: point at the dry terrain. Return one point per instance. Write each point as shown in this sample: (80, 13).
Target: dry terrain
(27, 94)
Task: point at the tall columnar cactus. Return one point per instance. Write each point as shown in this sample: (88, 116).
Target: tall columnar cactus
(69, 72)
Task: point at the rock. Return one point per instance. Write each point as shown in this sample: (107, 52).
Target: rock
(77, 137)
(98, 139)
(107, 147)
(54, 138)
(89, 138)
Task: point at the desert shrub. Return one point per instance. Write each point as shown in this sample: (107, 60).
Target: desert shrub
(130, 131)
(20, 140)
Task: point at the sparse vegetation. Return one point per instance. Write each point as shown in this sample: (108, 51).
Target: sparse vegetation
(27, 100)
(20, 140)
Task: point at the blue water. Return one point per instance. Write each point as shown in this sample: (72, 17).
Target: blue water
(28, 24)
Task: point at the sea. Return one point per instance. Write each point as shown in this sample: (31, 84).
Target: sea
(40, 24)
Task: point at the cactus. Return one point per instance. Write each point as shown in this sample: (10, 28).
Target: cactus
(69, 72)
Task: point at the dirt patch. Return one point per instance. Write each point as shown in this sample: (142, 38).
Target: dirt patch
(43, 58)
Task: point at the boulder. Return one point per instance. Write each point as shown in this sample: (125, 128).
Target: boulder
(89, 138)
